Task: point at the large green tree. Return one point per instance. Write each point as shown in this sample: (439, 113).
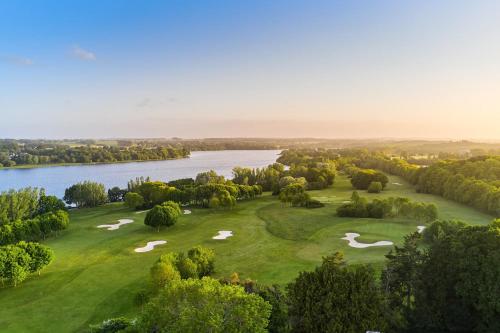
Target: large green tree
(86, 194)
(204, 305)
(451, 283)
(164, 215)
(336, 298)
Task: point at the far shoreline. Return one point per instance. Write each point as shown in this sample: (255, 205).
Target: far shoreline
(50, 165)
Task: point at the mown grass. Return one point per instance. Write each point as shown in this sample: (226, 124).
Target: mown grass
(96, 272)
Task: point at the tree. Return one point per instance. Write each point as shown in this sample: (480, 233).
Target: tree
(451, 283)
(40, 255)
(116, 194)
(187, 268)
(362, 178)
(163, 272)
(399, 278)
(86, 194)
(16, 263)
(375, 187)
(336, 298)
(294, 194)
(209, 177)
(134, 200)
(19, 205)
(49, 203)
(278, 321)
(164, 215)
(204, 259)
(204, 305)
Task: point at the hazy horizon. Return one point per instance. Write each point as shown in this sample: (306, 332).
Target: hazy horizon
(280, 69)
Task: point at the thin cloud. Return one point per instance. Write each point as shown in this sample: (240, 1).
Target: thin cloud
(83, 54)
(16, 60)
(144, 103)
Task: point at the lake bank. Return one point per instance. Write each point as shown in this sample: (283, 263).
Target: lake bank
(56, 179)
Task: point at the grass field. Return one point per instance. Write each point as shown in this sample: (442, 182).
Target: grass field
(96, 272)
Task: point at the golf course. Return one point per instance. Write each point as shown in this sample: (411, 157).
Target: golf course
(96, 271)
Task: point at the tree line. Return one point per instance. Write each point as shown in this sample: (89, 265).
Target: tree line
(14, 153)
(474, 182)
(443, 280)
(389, 207)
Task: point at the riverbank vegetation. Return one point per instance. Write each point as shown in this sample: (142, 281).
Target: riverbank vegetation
(31, 153)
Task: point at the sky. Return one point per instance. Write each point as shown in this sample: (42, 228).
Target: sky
(194, 69)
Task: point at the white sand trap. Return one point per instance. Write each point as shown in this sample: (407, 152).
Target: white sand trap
(420, 228)
(349, 236)
(117, 225)
(399, 184)
(187, 211)
(141, 211)
(150, 246)
(223, 234)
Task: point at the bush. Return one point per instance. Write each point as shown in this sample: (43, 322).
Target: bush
(112, 325)
(375, 187)
(134, 200)
(313, 203)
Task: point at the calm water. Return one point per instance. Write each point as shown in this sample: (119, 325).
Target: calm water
(56, 179)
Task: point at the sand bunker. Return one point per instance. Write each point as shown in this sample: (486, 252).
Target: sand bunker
(141, 211)
(399, 184)
(187, 211)
(117, 225)
(150, 246)
(349, 236)
(420, 228)
(223, 234)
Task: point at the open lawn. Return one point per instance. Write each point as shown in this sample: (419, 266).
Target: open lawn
(96, 271)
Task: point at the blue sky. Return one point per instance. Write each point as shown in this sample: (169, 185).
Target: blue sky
(250, 68)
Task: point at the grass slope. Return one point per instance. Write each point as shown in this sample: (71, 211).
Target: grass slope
(96, 272)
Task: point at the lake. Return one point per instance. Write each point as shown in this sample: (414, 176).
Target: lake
(57, 178)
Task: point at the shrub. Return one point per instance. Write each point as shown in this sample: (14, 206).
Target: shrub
(134, 200)
(375, 187)
(313, 203)
(112, 325)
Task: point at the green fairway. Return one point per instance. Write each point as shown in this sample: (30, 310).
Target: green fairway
(96, 272)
